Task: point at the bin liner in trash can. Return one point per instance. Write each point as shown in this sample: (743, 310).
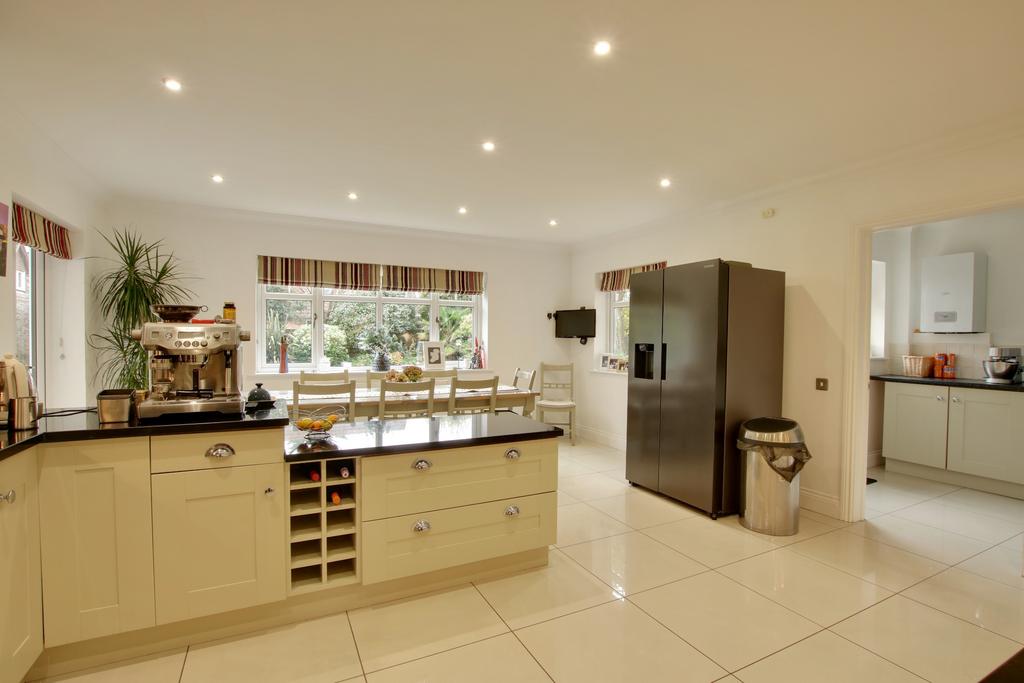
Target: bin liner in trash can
(771, 446)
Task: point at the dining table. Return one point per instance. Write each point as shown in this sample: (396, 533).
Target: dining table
(368, 400)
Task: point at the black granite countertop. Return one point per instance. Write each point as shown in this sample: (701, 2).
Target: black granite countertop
(416, 434)
(962, 383)
(84, 426)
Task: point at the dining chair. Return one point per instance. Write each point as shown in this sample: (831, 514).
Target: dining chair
(346, 405)
(558, 395)
(523, 379)
(307, 376)
(372, 377)
(443, 376)
(392, 408)
(491, 385)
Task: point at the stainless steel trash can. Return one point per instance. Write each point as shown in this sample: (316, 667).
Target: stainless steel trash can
(773, 453)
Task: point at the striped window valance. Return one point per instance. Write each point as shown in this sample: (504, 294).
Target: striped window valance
(301, 272)
(616, 280)
(413, 279)
(39, 232)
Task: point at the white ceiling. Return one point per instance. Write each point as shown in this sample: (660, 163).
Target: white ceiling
(297, 103)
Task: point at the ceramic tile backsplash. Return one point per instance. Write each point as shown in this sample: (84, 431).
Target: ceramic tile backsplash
(970, 353)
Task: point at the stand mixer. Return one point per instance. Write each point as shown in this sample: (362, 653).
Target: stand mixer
(1003, 365)
(194, 368)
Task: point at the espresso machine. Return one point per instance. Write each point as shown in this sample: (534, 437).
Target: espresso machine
(194, 368)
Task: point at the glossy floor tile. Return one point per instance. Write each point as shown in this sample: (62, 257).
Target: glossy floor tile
(808, 528)
(730, 623)
(921, 539)
(632, 562)
(160, 668)
(825, 657)
(615, 642)
(640, 509)
(590, 486)
(398, 632)
(985, 503)
(989, 604)
(814, 590)
(1002, 563)
(580, 522)
(502, 659)
(328, 655)
(962, 521)
(541, 594)
(933, 645)
(881, 564)
(709, 542)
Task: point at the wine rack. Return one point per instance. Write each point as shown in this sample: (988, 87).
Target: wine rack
(323, 525)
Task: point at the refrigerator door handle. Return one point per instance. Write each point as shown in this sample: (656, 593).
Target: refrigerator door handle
(664, 354)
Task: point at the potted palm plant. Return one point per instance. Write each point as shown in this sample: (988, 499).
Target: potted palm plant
(141, 277)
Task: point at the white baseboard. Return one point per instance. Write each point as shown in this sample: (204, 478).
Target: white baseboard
(822, 503)
(610, 439)
(875, 459)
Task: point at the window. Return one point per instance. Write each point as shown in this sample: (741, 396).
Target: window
(878, 309)
(618, 322)
(328, 328)
(24, 305)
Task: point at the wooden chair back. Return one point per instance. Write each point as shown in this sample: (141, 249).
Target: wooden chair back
(396, 407)
(442, 376)
(556, 382)
(344, 391)
(490, 385)
(372, 377)
(524, 379)
(306, 377)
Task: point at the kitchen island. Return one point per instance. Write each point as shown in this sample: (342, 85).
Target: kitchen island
(155, 536)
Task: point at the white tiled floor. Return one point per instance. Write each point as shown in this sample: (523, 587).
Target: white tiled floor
(640, 588)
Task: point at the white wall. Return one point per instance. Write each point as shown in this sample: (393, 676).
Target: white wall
(219, 247)
(998, 234)
(809, 238)
(37, 173)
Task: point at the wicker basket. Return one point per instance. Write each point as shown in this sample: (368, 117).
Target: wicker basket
(918, 366)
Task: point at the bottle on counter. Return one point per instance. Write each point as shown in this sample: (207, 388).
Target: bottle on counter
(949, 369)
(229, 310)
(940, 363)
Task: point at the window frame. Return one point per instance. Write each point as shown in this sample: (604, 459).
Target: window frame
(879, 311)
(611, 305)
(318, 296)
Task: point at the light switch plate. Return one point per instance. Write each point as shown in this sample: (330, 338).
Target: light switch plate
(821, 384)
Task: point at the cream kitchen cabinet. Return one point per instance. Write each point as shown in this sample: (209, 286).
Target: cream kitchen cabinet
(915, 421)
(219, 540)
(97, 541)
(984, 433)
(21, 605)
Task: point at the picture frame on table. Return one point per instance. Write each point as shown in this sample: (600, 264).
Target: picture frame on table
(605, 358)
(433, 355)
(613, 363)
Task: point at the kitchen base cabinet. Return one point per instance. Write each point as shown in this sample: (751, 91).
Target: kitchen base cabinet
(914, 427)
(983, 439)
(21, 605)
(97, 541)
(219, 540)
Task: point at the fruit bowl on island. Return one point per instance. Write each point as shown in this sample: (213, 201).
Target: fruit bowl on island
(317, 424)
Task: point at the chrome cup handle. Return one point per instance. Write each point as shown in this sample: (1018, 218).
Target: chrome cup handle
(422, 464)
(8, 497)
(512, 454)
(421, 526)
(512, 511)
(220, 450)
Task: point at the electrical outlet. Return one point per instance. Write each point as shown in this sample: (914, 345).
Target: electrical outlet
(821, 384)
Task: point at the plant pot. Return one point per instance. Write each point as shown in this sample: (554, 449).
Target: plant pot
(381, 362)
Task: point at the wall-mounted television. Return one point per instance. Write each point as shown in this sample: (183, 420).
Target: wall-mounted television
(580, 322)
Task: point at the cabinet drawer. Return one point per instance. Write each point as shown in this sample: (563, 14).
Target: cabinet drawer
(181, 452)
(418, 482)
(414, 544)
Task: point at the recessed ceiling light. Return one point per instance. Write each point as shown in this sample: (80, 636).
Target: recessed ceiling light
(462, 210)
(488, 145)
(353, 196)
(602, 48)
(217, 178)
(172, 84)
(665, 182)
(553, 223)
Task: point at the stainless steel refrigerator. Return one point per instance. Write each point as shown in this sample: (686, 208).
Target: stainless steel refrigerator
(705, 344)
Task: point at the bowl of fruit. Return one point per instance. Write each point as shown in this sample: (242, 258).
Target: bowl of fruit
(317, 426)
